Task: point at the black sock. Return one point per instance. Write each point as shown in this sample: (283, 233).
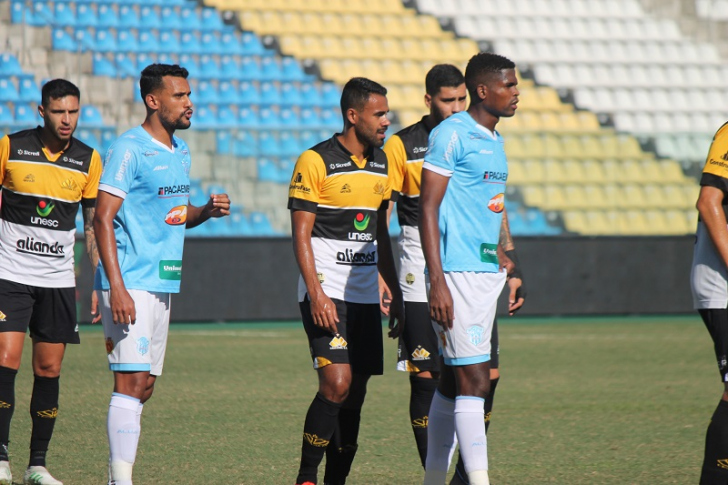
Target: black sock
(7, 406)
(340, 453)
(318, 429)
(422, 390)
(715, 464)
(460, 467)
(43, 412)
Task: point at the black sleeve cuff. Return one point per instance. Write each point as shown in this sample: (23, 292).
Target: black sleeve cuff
(295, 204)
(88, 203)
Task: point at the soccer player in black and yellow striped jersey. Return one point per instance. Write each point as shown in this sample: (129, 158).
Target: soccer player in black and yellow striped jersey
(338, 198)
(45, 174)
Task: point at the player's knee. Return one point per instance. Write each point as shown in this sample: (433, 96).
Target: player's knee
(47, 369)
(336, 389)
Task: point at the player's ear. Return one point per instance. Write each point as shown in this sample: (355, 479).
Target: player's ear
(428, 100)
(352, 116)
(41, 110)
(482, 91)
(151, 101)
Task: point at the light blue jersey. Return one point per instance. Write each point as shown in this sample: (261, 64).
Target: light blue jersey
(154, 182)
(472, 208)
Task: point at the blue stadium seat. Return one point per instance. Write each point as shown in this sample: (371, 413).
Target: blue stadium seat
(244, 145)
(193, 67)
(331, 118)
(249, 93)
(85, 16)
(210, 44)
(310, 95)
(85, 40)
(128, 17)
(197, 195)
(289, 146)
(229, 68)
(207, 93)
(223, 140)
(291, 95)
(171, 18)
(209, 68)
(103, 66)
(189, 16)
(309, 138)
(125, 65)
(228, 93)
(10, 66)
(107, 138)
(190, 43)
(169, 43)
(148, 43)
(267, 170)
(42, 12)
(210, 20)
(26, 116)
(260, 224)
(239, 224)
(291, 70)
(270, 69)
(227, 117)
(231, 45)
(268, 144)
(149, 18)
(268, 118)
(64, 15)
(105, 41)
(205, 118)
(6, 116)
(250, 45)
(166, 59)
(330, 94)
(285, 169)
(128, 39)
(90, 117)
(310, 118)
(248, 117)
(107, 16)
(8, 91)
(269, 94)
(250, 69)
(289, 118)
(29, 91)
(88, 137)
(62, 41)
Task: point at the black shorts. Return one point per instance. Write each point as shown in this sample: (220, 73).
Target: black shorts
(50, 313)
(358, 343)
(418, 350)
(716, 321)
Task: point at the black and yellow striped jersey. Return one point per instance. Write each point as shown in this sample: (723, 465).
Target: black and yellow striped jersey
(40, 199)
(406, 152)
(345, 194)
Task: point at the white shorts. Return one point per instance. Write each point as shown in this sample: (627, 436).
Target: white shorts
(411, 265)
(708, 275)
(475, 298)
(139, 347)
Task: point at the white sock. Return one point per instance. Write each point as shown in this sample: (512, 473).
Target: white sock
(470, 428)
(440, 438)
(139, 414)
(123, 428)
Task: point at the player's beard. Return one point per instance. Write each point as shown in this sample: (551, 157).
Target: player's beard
(170, 122)
(369, 138)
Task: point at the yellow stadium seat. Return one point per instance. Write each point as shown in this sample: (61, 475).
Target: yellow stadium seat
(613, 170)
(554, 198)
(515, 147)
(423, 26)
(606, 145)
(675, 197)
(534, 171)
(408, 117)
(334, 24)
(548, 121)
(575, 221)
(465, 49)
(517, 173)
(554, 171)
(548, 99)
(575, 171)
(595, 197)
(251, 20)
(691, 191)
(633, 222)
(613, 196)
(353, 48)
(528, 121)
(597, 223)
(533, 195)
(588, 121)
(413, 96)
(654, 196)
(292, 46)
(552, 146)
(292, 23)
(678, 222)
(507, 126)
(573, 147)
(391, 72)
(657, 222)
(671, 171)
(411, 49)
(334, 70)
(629, 147)
(331, 47)
(576, 196)
(594, 171)
(634, 196)
(692, 217)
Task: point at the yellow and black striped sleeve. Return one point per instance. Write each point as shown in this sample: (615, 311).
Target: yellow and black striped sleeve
(304, 192)
(91, 189)
(4, 155)
(715, 172)
(397, 160)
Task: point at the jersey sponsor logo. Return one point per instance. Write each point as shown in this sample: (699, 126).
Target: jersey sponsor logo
(30, 246)
(377, 165)
(497, 203)
(345, 189)
(72, 160)
(176, 215)
(720, 164)
(150, 153)
(475, 334)
(361, 221)
(379, 188)
(417, 150)
(338, 343)
(170, 269)
(334, 166)
(160, 167)
(173, 190)
(28, 152)
(351, 258)
(489, 176)
(30, 178)
(124, 164)
(69, 184)
(489, 253)
(44, 208)
(486, 152)
(40, 221)
(451, 147)
(298, 186)
(420, 354)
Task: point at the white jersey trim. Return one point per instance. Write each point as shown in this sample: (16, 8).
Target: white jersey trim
(439, 170)
(113, 190)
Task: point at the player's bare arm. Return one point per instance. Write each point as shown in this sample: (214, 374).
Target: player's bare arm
(218, 205)
(123, 310)
(432, 191)
(323, 309)
(385, 296)
(388, 272)
(506, 245)
(93, 255)
(710, 207)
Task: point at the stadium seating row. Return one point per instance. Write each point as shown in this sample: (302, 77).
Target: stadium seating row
(630, 222)
(592, 171)
(600, 146)
(610, 196)
(684, 147)
(654, 100)
(25, 114)
(663, 123)
(321, 6)
(273, 143)
(617, 9)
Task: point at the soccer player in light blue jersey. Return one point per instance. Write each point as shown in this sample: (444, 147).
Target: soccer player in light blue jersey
(141, 214)
(461, 208)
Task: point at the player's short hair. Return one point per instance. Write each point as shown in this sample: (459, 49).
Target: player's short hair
(356, 93)
(152, 75)
(442, 76)
(481, 68)
(57, 89)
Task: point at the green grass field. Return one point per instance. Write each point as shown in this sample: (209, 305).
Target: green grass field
(581, 401)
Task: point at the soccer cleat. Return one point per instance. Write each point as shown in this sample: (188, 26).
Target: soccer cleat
(6, 478)
(38, 475)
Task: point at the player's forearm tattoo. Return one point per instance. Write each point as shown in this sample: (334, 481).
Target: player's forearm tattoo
(505, 239)
(88, 229)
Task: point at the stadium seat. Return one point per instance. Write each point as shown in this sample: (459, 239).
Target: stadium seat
(128, 17)
(107, 16)
(244, 144)
(170, 44)
(229, 68)
(206, 93)
(260, 224)
(149, 18)
(88, 137)
(29, 91)
(10, 66)
(227, 117)
(90, 117)
(210, 20)
(190, 19)
(64, 15)
(269, 94)
(268, 118)
(107, 138)
(148, 43)
(26, 116)
(6, 116)
(103, 66)
(8, 91)
(310, 96)
(62, 41)
(289, 118)
(250, 70)
(270, 69)
(267, 170)
(248, 118)
(249, 93)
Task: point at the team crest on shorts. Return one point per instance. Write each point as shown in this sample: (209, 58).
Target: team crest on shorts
(410, 278)
(420, 354)
(2, 317)
(143, 346)
(109, 345)
(337, 343)
(475, 332)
